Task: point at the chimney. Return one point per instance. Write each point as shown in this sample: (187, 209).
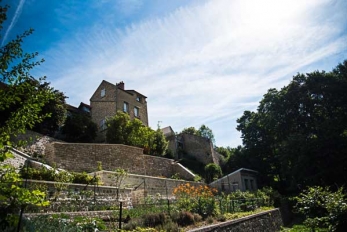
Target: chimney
(121, 85)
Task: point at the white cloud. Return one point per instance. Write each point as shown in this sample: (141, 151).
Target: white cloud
(14, 20)
(204, 64)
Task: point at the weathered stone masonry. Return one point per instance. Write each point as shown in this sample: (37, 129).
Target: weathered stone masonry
(85, 157)
(269, 221)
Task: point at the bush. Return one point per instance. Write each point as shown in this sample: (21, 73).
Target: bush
(154, 219)
(322, 208)
(196, 199)
(184, 218)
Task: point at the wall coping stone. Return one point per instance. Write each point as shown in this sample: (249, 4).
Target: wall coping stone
(75, 184)
(147, 177)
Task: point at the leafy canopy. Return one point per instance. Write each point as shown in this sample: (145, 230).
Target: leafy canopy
(298, 135)
(21, 103)
(122, 130)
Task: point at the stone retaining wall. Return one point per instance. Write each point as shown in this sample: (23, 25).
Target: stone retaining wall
(151, 185)
(85, 157)
(269, 221)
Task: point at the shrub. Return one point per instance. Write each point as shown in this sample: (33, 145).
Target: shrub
(209, 220)
(196, 199)
(154, 219)
(322, 208)
(184, 218)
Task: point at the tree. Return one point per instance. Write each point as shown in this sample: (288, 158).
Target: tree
(203, 131)
(158, 144)
(212, 172)
(323, 208)
(190, 130)
(206, 132)
(56, 110)
(79, 128)
(298, 135)
(122, 130)
(18, 91)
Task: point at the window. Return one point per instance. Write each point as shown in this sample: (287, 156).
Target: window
(138, 98)
(103, 124)
(126, 107)
(103, 92)
(136, 112)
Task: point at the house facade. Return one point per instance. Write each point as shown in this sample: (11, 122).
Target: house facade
(109, 98)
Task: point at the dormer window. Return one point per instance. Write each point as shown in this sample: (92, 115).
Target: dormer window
(103, 92)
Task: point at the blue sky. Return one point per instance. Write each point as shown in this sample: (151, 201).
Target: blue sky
(197, 61)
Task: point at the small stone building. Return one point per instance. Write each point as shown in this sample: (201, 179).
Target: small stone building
(109, 98)
(242, 179)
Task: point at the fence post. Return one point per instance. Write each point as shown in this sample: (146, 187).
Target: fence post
(167, 197)
(120, 214)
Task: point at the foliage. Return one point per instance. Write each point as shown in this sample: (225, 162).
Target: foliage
(56, 110)
(154, 219)
(55, 175)
(122, 130)
(196, 199)
(203, 131)
(61, 223)
(183, 218)
(14, 197)
(212, 172)
(323, 208)
(118, 177)
(79, 128)
(298, 135)
(21, 104)
(158, 144)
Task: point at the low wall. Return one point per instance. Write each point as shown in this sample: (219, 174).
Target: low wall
(18, 160)
(151, 185)
(269, 221)
(85, 157)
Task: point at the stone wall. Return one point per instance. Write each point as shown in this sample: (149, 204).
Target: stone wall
(269, 221)
(151, 185)
(18, 159)
(85, 157)
(198, 147)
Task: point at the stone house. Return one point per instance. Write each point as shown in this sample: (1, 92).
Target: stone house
(109, 98)
(243, 179)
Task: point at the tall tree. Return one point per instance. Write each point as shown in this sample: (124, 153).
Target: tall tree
(298, 136)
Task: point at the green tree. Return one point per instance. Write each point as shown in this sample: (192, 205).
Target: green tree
(323, 208)
(56, 110)
(212, 172)
(203, 131)
(79, 128)
(18, 91)
(122, 130)
(158, 144)
(298, 135)
(190, 130)
(206, 132)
